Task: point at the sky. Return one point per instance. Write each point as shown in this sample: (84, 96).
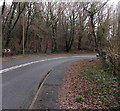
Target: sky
(10, 1)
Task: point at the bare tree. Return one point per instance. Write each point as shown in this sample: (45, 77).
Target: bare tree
(11, 23)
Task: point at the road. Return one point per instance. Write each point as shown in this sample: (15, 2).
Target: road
(21, 77)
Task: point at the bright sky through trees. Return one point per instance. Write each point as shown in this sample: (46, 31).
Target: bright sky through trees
(110, 1)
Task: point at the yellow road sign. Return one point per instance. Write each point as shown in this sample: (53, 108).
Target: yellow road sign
(6, 50)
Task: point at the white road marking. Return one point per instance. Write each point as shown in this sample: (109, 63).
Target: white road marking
(81, 56)
(26, 64)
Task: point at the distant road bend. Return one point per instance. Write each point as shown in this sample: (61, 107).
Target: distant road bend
(21, 77)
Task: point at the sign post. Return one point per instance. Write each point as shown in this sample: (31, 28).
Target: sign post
(23, 35)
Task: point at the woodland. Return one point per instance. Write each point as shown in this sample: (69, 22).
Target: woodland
(31, 27)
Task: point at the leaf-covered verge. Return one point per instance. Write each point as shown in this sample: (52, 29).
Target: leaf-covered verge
(87, 86)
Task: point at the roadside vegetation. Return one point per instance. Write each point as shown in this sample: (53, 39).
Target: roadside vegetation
(88, 86)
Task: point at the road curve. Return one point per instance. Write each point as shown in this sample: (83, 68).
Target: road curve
(21, 77)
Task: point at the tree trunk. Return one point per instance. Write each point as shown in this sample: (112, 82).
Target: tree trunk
(28, 24)
(10, 26)
(79, 42)
(93, 32)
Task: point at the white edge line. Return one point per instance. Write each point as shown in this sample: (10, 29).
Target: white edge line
(26, 64)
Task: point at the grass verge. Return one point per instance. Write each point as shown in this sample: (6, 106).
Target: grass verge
(88, 86)
(103, 86)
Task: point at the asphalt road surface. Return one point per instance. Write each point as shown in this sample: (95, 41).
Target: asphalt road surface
(21, 77)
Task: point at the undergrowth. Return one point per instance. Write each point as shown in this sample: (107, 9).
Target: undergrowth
(104, 86)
